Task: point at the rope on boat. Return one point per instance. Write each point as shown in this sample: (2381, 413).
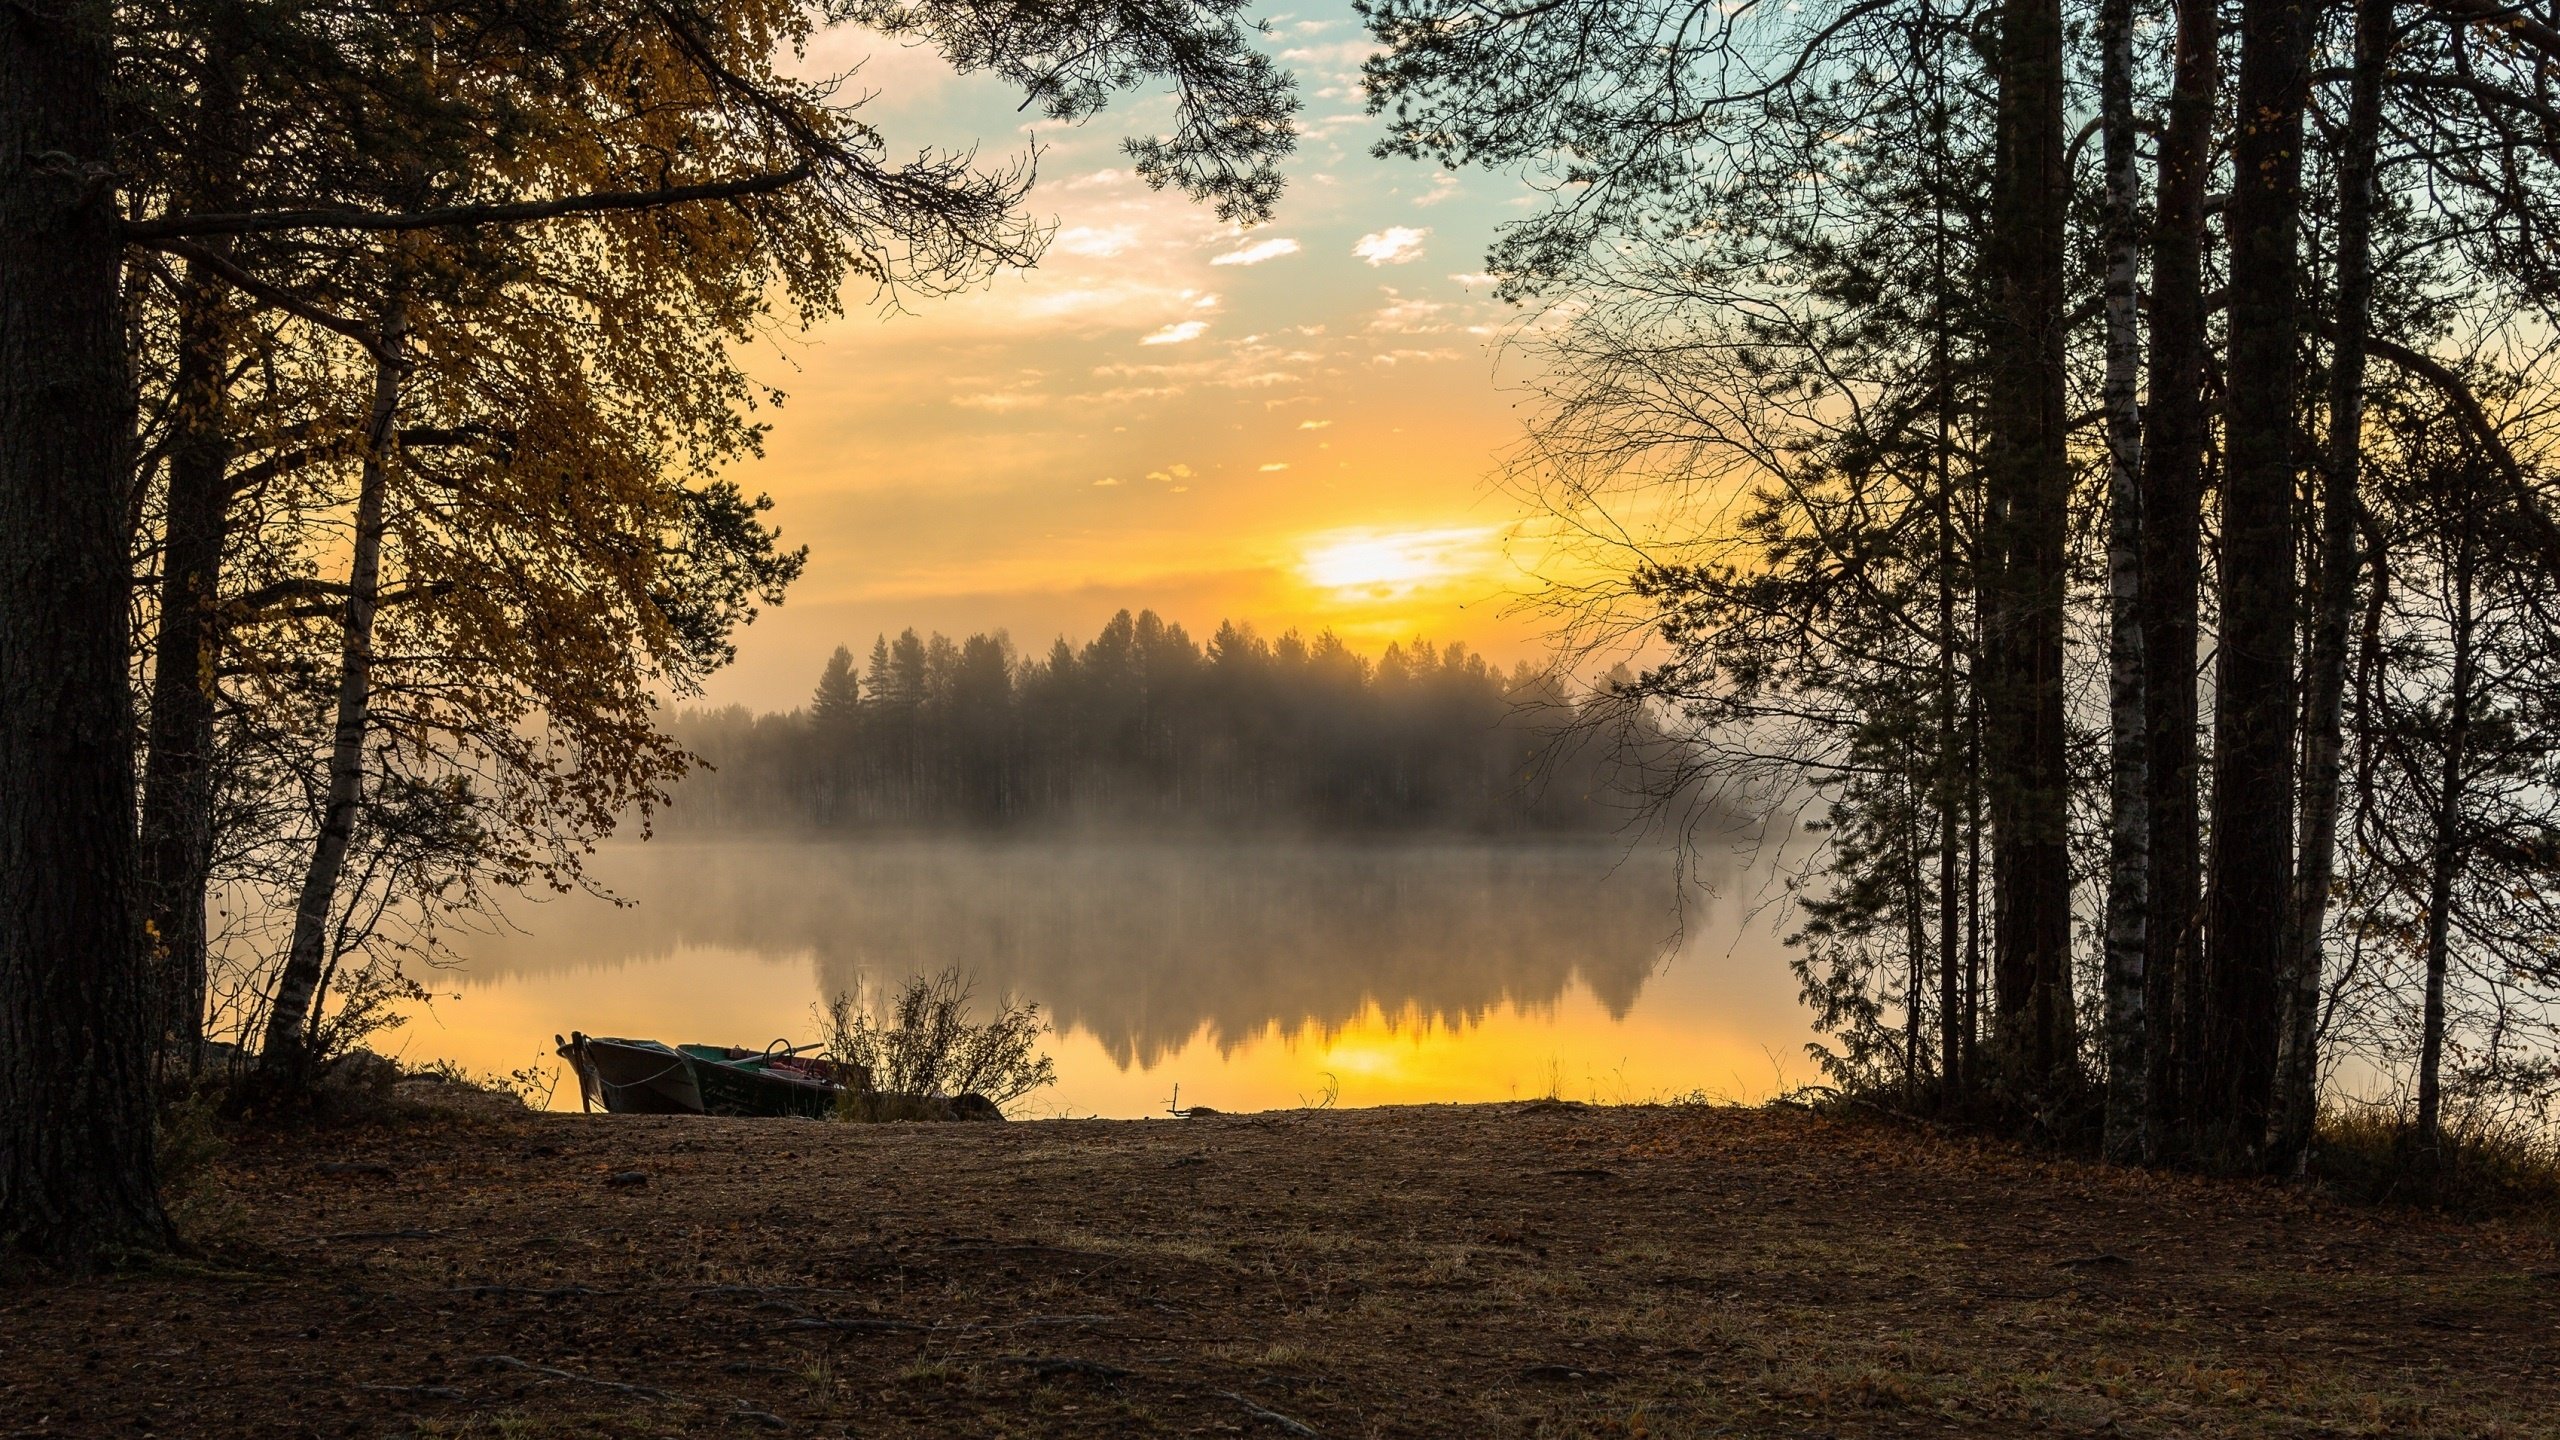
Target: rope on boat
(640, 1083)
(588, 1068)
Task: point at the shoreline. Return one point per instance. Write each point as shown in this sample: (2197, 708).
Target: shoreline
(1523, 1268)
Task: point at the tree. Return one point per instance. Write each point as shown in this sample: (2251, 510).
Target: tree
(2027, 485)
(2341, 557)
(835, 730)
(2128, 917)
(76, 1022)
(2176, 436)
(838, 700)
(2253, 777)
(2459, 743)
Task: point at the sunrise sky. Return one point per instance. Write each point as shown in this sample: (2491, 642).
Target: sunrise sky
(1290, 425)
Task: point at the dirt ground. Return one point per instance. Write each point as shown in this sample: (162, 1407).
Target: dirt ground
(1536, 1269)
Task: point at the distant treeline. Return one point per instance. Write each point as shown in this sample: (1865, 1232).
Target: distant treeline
(1144, 724)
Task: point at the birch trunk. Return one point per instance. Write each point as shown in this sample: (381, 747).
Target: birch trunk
(287, 1051)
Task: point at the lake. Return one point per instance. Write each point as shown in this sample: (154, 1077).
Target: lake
(1251, 973)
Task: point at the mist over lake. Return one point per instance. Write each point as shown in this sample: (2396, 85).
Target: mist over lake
(1252, 971)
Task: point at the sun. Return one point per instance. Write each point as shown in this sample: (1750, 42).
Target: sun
(1393, 564)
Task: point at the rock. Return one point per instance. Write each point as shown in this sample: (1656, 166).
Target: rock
(359, 1072)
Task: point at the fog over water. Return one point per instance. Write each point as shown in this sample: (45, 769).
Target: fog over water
(1254, 972)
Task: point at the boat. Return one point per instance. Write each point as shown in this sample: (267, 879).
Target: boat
(650, 1077)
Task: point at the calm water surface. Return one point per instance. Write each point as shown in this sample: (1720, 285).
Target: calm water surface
(1253, 974)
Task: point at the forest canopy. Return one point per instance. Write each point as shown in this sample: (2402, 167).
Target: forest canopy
(1143, 725)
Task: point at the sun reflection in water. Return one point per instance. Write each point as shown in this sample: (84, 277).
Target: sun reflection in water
(1507, 971)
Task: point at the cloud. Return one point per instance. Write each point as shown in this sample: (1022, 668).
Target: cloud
(1274, 466)
(1258, 252)
(1177, 333)
(1395, 245)
(1105, 481)
(1315, 424)
(1409, 315)
(1473, 279)
(1095, 241)
(1000, 401)
(1444, 186)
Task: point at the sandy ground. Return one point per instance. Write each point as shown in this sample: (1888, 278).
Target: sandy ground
(1535, 1269)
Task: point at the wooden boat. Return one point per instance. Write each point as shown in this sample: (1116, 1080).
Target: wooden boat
(648, 1077)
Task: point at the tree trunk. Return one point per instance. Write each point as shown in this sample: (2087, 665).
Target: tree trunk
(2129, 824)
(2172, 491)
(2028, 483)
(76, 1023)
(2445, 852)
(1915, 990)
(1974, 820)
(287, 1052)
(1951, 786)
(177, 777)
(177, 790)
(1951, 755)
(2297, 1097)
(2252, 861)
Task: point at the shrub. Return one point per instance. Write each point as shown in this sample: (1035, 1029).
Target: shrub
(923, 1042)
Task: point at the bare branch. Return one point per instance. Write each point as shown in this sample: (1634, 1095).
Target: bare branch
(602, 202)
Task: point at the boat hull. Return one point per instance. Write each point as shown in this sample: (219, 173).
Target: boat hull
(747, 1087)
(646, 1077)
(633, 1077)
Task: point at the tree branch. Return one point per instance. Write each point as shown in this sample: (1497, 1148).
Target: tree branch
(2544, 530)
(271, 295)
(2505, 19)
(303, 599)
(602, 202)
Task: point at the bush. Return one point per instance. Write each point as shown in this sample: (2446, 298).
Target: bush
(2477, 1168)
(924, 1043)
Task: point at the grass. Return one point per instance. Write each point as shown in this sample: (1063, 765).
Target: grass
(1524, 1269)
(2478, 1169)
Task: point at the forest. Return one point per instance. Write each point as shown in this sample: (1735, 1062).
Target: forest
(1142, 726)
(370, 406)
(2108, 454)
(2094, 456)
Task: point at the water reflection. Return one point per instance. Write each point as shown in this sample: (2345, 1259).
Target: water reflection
(1255, 971)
